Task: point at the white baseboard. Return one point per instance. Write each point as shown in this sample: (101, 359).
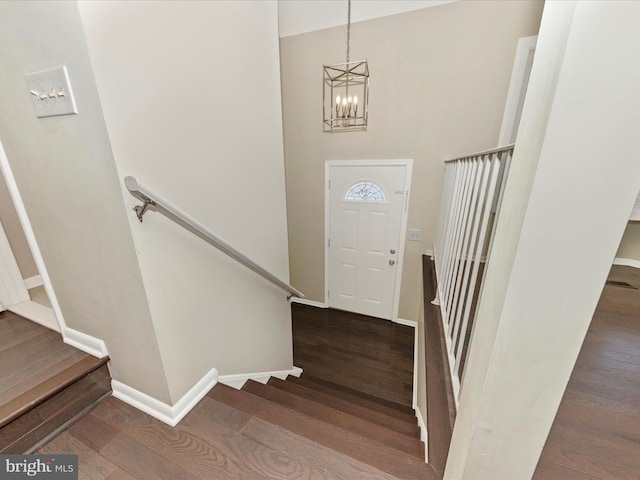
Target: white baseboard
(311, 303)
(36, 313)
(33, 282)
(237, 381)
(627, 262)
(46, 317)
(168, 414)
(423, 434)
(408, 323)
(88, 344)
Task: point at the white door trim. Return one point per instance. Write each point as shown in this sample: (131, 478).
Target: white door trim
(408, 164)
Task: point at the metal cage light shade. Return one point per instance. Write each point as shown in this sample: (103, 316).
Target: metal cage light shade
(345, 92)
(345, 96)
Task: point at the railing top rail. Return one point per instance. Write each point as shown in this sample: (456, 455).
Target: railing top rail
(153, 201)
(504, 148)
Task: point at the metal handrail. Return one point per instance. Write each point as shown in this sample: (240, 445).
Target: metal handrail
(152, 201)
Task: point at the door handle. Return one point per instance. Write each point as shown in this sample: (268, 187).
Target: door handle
(392, 262)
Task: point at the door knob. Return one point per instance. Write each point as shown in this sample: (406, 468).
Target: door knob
(392, 262)
(392, 251)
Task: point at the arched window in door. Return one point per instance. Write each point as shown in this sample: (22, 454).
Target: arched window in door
(366, 191)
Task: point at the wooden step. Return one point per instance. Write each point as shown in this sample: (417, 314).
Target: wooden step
(367, 429)
(374, 416)
(394, 462)
(44, 383)
(55, 411)
(362, 394)
(351, 395)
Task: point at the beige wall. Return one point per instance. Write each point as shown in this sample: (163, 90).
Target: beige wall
(65, 172)
(439, 80)
(15, 234)
(630, 244)
(191, 98)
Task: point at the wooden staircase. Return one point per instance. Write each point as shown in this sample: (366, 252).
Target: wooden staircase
(45, 385)
(373, 437)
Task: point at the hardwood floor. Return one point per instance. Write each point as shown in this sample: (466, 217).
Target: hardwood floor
(214, 441)
(327, 424)
(596, 432)
(367, 355)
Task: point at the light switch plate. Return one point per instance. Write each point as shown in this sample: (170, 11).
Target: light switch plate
(51, 93)
(415, 235)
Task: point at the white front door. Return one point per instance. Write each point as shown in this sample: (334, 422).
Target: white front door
(367, 219)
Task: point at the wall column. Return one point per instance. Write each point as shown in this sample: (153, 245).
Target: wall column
(574, 180)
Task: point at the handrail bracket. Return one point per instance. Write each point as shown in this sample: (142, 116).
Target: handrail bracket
(142, 209)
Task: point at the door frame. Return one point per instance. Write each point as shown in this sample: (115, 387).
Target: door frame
(408, 164)
(14, 192)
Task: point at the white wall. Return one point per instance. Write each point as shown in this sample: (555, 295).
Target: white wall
(191, 98)
(65, 172)
(296, 16)
(566, 204)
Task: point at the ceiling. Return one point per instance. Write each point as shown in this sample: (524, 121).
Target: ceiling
(301, 16)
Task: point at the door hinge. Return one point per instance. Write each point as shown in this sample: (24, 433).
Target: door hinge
(328, 293)
(329, 187)
(328, 243)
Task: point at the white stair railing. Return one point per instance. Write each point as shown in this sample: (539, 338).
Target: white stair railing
(468, 207)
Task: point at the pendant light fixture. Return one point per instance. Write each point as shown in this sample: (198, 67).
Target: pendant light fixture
(345, 93)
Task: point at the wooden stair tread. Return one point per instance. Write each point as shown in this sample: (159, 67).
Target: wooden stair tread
(42, 386)
(346, 394)
(390, 438)
(45, 384)
(55, 413)
(394, 462)
(374, 416)
(362, 394)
